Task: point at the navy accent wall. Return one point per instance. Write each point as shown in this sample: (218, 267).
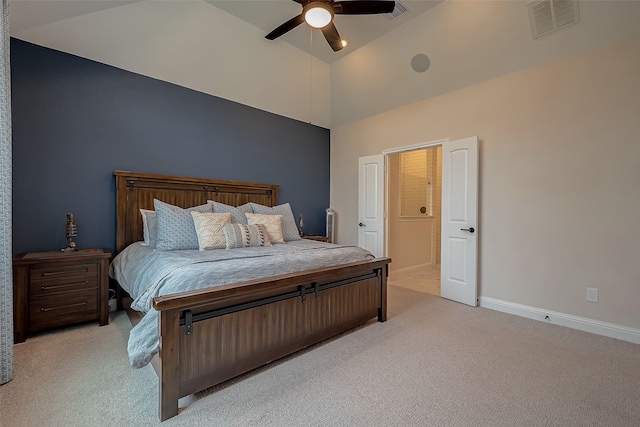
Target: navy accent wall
(75, 121)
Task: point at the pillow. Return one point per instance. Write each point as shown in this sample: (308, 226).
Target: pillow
(149, 227)
(209, 229)
(289, 227)
(244, 236)
(237, 214)
(272, 225)
(175, 226)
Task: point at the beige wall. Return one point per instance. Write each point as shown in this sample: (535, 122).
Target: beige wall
(413, 242)
(409, 239)
(559, 174)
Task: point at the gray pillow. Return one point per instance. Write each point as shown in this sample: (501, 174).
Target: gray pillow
(237, 214)
(289, 228)
(149, 227)
(175, 226)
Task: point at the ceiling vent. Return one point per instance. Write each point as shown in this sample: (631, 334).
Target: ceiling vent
(547, 16)
(397, 11)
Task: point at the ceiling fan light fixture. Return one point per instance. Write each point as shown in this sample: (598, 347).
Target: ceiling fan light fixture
(318, 14)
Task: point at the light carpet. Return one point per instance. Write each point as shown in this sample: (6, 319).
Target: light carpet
(433, 363)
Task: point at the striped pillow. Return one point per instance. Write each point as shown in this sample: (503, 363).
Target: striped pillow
(244, 236)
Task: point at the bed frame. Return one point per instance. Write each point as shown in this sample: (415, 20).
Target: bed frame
(212, 335)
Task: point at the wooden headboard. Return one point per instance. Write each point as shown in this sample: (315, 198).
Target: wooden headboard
(135, 191)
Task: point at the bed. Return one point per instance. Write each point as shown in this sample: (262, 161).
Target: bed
(208, 335)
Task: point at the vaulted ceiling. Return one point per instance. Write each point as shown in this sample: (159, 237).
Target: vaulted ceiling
(218, 47)
(264, 14)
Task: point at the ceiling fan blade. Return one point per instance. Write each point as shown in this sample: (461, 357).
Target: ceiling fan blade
(333, 38)
(286, 27)
(363, 7)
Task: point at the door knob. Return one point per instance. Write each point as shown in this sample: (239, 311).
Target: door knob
(470, 229)
(361, 225)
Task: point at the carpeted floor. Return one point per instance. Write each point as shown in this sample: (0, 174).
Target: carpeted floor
(433, 363)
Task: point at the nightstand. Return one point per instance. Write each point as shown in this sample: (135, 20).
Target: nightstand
(52, 289)
(317, 238)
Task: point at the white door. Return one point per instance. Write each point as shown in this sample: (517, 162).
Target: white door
(371, 204)
(459, 221)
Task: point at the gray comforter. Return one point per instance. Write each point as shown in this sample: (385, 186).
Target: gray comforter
(146, 273)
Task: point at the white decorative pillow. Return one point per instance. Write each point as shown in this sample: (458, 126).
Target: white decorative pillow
(209, 229)
(289, 227)
(149, 227)
(175, 226)
(272, 224)
(244, 236)
(237, 214)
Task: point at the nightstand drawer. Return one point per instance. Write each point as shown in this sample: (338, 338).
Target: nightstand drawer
(52, 272)
(62, 284)
(60, 309)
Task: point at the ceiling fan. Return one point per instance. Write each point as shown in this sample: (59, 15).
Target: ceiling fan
(319, 14)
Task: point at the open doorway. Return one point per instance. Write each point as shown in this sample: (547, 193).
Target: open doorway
(414, 183)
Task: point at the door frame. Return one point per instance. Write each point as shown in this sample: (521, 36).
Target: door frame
(387, 153)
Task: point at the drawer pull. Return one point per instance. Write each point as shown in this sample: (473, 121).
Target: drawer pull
(48, 288)
(45, 309)
(57, 273)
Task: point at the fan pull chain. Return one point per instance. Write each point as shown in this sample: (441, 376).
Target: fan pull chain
(310, 70)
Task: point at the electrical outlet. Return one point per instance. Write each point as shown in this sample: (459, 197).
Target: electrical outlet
(592, 294)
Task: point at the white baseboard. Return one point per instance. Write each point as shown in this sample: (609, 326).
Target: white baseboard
(581, 323)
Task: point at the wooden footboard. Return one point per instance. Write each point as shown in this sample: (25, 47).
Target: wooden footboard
(210, 336)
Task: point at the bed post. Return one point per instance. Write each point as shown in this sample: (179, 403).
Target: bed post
(383, 272)
(169, 363)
